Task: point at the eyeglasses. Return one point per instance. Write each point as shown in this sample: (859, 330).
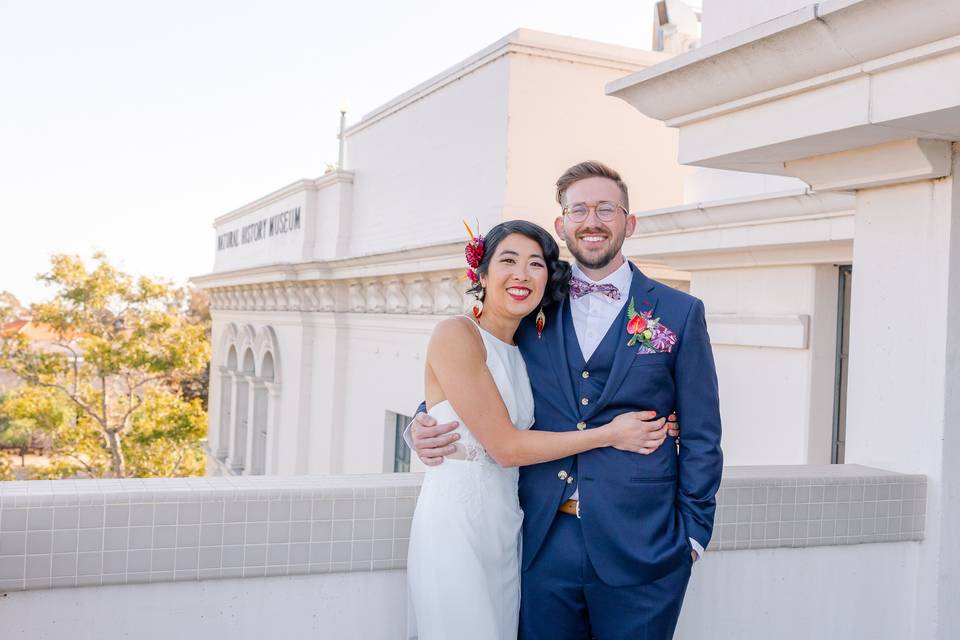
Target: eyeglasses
(606, 211)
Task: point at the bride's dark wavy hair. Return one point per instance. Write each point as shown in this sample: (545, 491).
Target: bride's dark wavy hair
(558, 271)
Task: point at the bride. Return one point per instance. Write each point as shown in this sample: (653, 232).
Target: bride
(463, 563)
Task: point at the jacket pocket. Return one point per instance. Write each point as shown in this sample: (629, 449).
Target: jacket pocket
(654, 480)
(647, 359)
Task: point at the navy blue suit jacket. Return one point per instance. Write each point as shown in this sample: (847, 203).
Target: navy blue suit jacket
(637, 511)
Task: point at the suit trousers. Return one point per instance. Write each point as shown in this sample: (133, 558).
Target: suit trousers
(562, 598)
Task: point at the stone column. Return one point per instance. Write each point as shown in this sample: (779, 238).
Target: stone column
(239, 423)
(257, 428)
(272, 428)
(222, 429)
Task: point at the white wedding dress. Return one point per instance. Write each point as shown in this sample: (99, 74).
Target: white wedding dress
(463, 565)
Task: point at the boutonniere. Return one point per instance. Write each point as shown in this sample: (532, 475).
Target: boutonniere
(652, 335)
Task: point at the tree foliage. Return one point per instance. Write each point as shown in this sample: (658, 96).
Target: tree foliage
(124, 352)
(10, 307)
(30, 417)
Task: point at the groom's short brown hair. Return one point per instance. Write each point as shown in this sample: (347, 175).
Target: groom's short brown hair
(590, 169)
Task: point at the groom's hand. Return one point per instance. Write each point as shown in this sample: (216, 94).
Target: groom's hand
(432, 441)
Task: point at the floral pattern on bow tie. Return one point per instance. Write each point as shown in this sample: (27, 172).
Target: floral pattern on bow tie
(652, 335)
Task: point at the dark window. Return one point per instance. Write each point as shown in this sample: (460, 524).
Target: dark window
(843, 365)
(401, 453)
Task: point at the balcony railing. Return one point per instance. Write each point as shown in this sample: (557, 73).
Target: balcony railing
(254, 546)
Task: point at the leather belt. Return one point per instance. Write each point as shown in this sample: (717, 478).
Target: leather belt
(570, 507)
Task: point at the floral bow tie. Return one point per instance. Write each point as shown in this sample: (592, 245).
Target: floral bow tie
(580, 288)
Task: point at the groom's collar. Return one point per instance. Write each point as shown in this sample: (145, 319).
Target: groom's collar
(622, 278)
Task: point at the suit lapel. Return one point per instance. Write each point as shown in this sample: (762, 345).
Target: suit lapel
(644, 297)
(557, 353)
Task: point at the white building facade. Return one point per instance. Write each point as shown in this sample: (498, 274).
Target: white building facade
(324, 293)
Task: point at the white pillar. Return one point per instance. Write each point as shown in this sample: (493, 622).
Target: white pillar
(221, 430)
(904, 394)
(272, 436)
(257, 428)
(238, 425)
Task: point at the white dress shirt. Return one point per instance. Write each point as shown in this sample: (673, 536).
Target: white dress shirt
(593, 315)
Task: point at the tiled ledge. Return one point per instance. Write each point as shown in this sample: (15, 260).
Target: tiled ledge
(92, 532)
(806, 506)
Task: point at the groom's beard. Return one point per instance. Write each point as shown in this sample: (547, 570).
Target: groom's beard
(596, 260)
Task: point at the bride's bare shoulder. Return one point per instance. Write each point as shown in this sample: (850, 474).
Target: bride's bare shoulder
(456, 337)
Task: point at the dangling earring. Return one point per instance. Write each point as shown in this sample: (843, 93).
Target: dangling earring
(478, 305)
(541, 322)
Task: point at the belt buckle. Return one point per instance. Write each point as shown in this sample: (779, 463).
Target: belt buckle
(578, 509)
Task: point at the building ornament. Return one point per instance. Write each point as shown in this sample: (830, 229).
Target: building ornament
(417, 294)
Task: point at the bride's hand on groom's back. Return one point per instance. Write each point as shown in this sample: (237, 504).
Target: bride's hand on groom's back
(641, 431)
(433, 441)
(673, 427)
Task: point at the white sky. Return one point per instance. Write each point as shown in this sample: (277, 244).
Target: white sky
(128, 126)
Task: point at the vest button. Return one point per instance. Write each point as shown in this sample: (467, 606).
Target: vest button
(581, 426)
(585, 375)
(584, 401)
(562, 474)
(570, 480)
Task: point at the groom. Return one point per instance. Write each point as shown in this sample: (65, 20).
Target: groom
(609, 537)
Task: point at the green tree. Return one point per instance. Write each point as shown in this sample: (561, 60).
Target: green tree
(6, 469)
(10, 307)
(124, 348)
(30, 417)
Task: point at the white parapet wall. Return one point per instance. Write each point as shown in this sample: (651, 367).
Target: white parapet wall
(797, 551)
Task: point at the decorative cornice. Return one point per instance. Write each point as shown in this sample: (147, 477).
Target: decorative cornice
(440, 293)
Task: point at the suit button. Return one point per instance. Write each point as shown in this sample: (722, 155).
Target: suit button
(570, 480)
(581, 425)
(584, 401)
(562, 474)
(585, 375)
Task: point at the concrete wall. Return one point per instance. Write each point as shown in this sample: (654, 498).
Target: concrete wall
(793, 594)
(382, 372)
(797, 594)
(347, 606)
(776, 403)
(424, 167)
(559, 116)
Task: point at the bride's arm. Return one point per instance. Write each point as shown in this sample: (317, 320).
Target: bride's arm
(456, 359)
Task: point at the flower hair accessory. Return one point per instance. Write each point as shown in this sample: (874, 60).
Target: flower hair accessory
(473, 253)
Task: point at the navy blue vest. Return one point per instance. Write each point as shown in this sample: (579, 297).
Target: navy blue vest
(588, 378)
